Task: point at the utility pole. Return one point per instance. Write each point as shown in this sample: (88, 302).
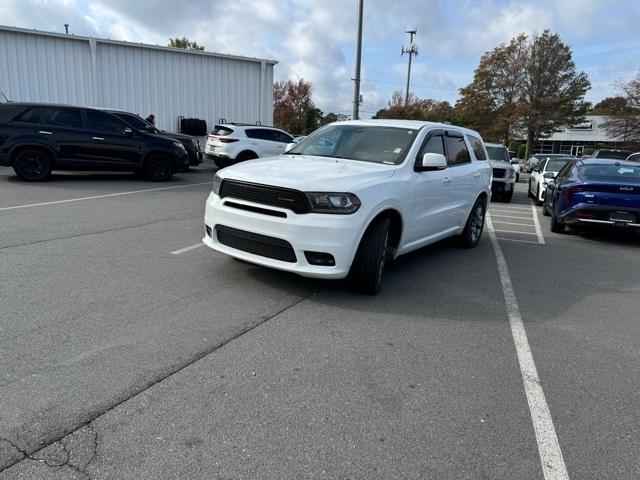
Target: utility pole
(356, 86)
(411, 51)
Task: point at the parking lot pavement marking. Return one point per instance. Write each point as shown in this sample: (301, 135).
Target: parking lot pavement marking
(514, 223)
(536, 222)
(515, 231)
(187, 249)
(509, 207)
(517, 240)
(510, 216)
(56, 202)
(553, 465)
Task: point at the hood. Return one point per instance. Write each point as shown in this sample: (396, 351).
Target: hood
(309, 173)
(500, 164)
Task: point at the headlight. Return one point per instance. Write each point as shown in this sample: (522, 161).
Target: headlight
(328, 202)
(217, 181)
(512, 173)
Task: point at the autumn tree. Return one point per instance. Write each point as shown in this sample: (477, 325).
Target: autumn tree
(609, 106)
(184, 43)
(623, 123)
(416, 108)
(293, 109)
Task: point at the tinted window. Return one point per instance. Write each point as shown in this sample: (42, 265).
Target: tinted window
(435, 144)
(611, 170)
(133, 120)
(62, 117)
(498, 153)
(457, 152)
(30, 116)
(377, 144)
(257, 133)
(613, 154)
(104, 122)
(476, 145)
(555, 164)
(222, 131)
(282, 137)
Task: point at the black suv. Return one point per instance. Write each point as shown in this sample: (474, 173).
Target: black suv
(191, 144)
(37, 138)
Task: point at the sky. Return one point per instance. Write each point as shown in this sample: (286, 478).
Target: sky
(315, 39)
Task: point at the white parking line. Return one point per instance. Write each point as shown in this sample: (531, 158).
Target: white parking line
(513, 207)
(514, 223)
(187, 249)
(57, 202)
(537, 224)
(514, 231)
(553, 466)
(517, 240)
(512, 216)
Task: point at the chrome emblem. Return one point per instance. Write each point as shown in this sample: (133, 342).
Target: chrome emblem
(626, 189)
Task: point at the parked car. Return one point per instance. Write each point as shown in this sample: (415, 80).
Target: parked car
(543, 173)
(350, 197)
(37, 138)
(231, 143)
(634, 157)
(534, 160)
(595, 191)
(517, 167)
(610, 153)
(191, 144)
(504, 174)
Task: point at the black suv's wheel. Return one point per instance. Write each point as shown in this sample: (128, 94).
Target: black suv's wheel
(33, 165)
(545, 212)
(158, 168)
(475, 224)
(556, 225)
(368, 266)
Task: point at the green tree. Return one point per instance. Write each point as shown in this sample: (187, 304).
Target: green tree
(623, 123)
(609, 106)
(293, 108)
(425, 109)
(329, 118)
(184, 43)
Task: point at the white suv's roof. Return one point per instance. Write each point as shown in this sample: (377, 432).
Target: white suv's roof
(407, 124)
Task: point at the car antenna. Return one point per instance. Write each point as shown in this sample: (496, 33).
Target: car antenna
(5, 97)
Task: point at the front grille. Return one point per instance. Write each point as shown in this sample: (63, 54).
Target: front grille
(293, 200)
(251, 208)
(256, 244)
(498, 172)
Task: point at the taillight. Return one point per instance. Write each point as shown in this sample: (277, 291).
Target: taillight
(585, 214)
(569, 192)
(228, 140)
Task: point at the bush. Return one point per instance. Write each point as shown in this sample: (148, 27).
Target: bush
(522, 150)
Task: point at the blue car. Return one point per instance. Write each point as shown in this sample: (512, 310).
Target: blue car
(595, 191)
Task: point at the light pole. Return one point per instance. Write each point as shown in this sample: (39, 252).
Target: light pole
(356, 85)
(411, 51)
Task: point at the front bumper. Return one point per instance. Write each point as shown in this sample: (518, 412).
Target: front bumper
(195, 158)
(502, 185)
(337, 235)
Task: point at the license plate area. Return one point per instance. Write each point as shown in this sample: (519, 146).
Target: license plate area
(622, 217)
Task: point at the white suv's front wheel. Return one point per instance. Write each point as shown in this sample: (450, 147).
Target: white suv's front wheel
(368, 266)
(475, 224)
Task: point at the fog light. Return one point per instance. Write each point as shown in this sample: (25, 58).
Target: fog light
(208, 229)
(320, 258)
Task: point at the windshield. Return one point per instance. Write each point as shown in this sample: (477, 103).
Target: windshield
(499, 154)
(366, 143)
(556, 164)
(610, 170)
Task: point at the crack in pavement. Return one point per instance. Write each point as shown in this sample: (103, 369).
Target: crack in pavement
(29, 455)
(86, 234)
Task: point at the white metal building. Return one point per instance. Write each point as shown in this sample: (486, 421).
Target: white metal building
(38, 66)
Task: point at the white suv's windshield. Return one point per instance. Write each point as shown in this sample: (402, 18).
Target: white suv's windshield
(358, 142)
(498, 154)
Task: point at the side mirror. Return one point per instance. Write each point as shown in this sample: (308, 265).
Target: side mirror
(432, 161)
(289, 146)
(128, 132)
(549, 175)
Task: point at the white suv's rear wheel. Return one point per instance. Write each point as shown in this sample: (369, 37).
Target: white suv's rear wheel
(368, 266)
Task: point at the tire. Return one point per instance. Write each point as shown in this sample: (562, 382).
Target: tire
(517, 177)
(529, 190)
(368, 265)
(556, 225)
(244, 156)
(472, 232)
(545, 212)
(158, 168)
(33, 165)
(506, 197)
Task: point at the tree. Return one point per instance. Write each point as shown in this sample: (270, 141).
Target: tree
(623, 122)
(425, 109)
(609, 106)
(184, 43)
(329, 118)
(293, 109)
(489, 103)
(552, 93)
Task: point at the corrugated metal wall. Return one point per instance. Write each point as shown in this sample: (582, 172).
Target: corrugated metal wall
(42, 67)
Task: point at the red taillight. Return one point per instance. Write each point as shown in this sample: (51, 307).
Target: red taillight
(228, 140)
(569, 192)
(585, 214)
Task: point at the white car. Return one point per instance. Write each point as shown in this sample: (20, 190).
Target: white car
(504, 174)
(351, 196)
(231, 143)
(546, 170)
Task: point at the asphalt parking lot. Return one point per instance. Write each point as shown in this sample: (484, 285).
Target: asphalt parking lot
(130, 351)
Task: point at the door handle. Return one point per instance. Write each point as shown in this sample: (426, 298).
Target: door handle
(97, 138)
(446, 180)
(44, 132)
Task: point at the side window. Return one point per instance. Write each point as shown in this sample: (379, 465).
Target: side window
(62, 117)
(104, 122)
(478, 149)
(256, 133)
(435, 144)
(457, 153)
(565, 172)
(282, 137)
(30, 116)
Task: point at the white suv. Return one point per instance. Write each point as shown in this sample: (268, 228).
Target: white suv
(231, 143)
(351, 196)
(504, 173)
